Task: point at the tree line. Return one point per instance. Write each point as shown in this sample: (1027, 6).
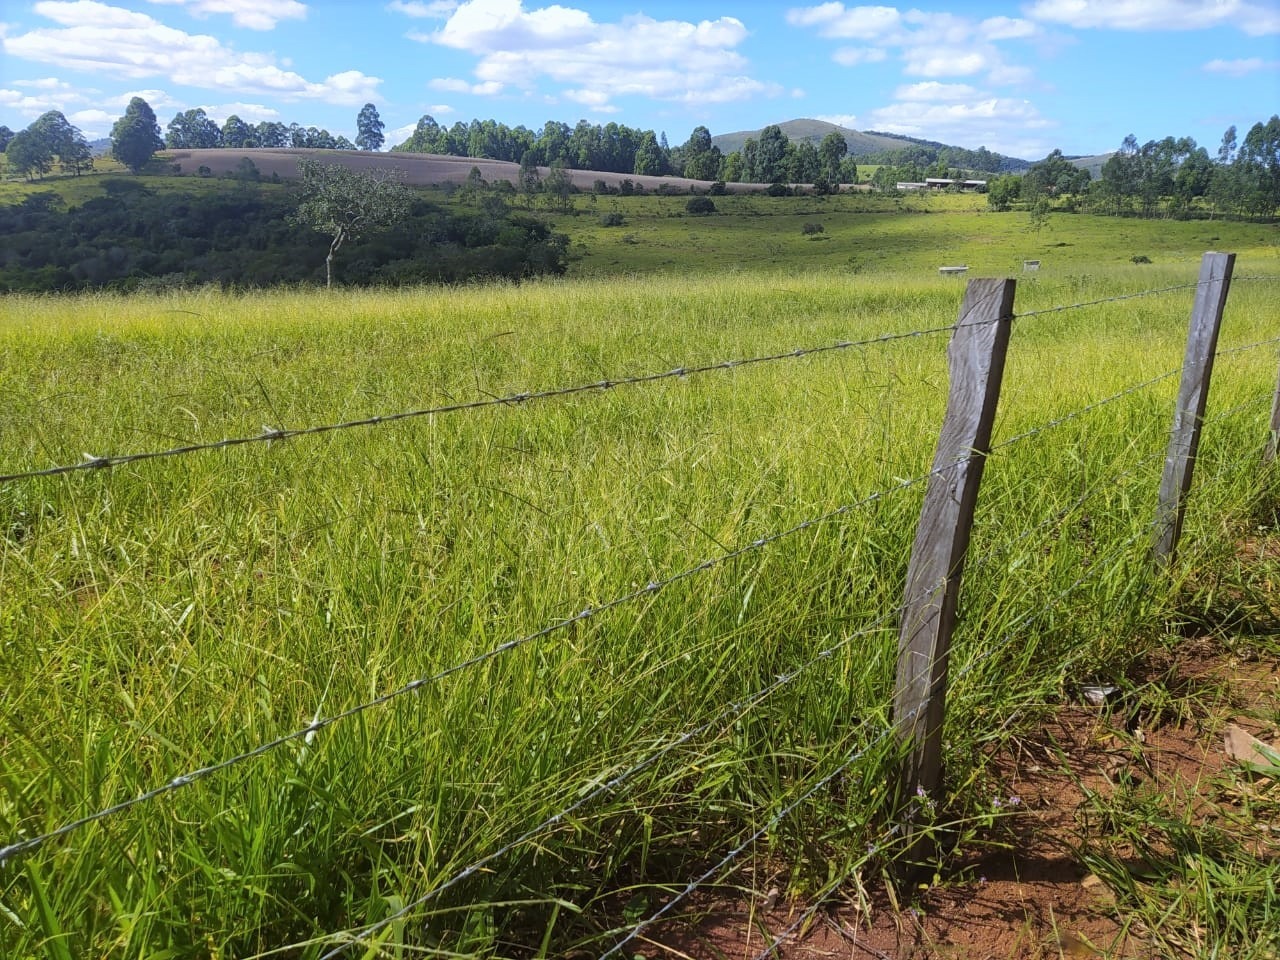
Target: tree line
(136, 137)
(1170, 177)
(194, 130)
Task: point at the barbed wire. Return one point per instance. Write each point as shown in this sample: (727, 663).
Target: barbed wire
(24, 846)
(1247, 346)
(272, 434)
(1238, 408)
(1011, 633)
(1117, 299)
(1081, 411)
(737, 851)
(734, 710)
(1057, 519)
(649, 589)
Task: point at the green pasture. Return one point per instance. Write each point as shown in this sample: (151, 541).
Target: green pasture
(911, 235)
(159, 617)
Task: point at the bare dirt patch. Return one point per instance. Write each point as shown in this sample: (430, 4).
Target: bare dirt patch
(1027, 896)
(418, 169)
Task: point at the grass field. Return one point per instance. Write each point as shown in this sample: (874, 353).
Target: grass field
(159, 617)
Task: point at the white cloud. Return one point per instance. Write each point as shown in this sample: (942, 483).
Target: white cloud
(28, 105)
(933, 92)
(52, 84)
(248, 112)
(858, 23)
(848, 120)
(1007, 28)
(250, 14)
(433, 10)
(401, 134)
(852, 56)
(945, 62)
(930, 44)
(156, 99)
(1241, 68)
(488, 88)
(93, 123)
(1000, 124)
(593, 63)
(98, 38)
(1253, 18)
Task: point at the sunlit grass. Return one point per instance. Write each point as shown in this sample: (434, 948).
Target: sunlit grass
(160, 616)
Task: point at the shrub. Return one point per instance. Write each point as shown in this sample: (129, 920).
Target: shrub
(809, 229)
(1140, 258)
(612, 219)
(717, 189)
(204, 171)
(699, 206)
(778, 189)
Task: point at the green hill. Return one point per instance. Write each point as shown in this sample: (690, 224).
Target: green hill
(871, 145)
(814, 131)
(1092, 164)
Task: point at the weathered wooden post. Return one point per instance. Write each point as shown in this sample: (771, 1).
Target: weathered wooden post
(1193, 392)
(976, 362)
(1273, 437)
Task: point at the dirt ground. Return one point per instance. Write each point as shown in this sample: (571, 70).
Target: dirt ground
(418, 169)
(1033, 901)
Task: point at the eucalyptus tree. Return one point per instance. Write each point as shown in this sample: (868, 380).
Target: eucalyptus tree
(346, 204)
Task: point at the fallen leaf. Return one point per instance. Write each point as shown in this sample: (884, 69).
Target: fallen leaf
(1243, 747)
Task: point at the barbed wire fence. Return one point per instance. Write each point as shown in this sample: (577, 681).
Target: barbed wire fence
(612, 783)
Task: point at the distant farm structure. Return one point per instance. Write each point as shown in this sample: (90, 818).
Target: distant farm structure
(942, 183)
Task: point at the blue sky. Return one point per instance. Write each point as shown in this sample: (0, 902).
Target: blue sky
(1018, 77)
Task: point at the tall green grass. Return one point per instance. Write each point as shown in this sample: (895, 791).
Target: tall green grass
(161, 616)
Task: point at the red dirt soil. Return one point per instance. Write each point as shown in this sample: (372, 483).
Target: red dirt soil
(418, 169)
(1033, 901)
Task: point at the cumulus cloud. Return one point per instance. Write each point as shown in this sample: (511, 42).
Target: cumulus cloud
(93, 123)
(934, 92)
(249, 112)
(852, 23)
(27, 105)
(929, 44)
(1007, 28)
(1256, 19)
(1241, 68)
(1002, 124)
(433, 10)
(250, 14)
(945, 62)
(98, 38)
(51, 84)
(157, 99)
(593, 63)
(488, 88)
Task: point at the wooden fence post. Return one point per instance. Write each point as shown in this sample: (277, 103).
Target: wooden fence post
(976, 364)
(1193, 391)
(1273, 437)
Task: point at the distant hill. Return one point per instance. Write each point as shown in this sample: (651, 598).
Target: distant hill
(861, 143)
(1092, 164)
(100, 147)
(814, 131)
